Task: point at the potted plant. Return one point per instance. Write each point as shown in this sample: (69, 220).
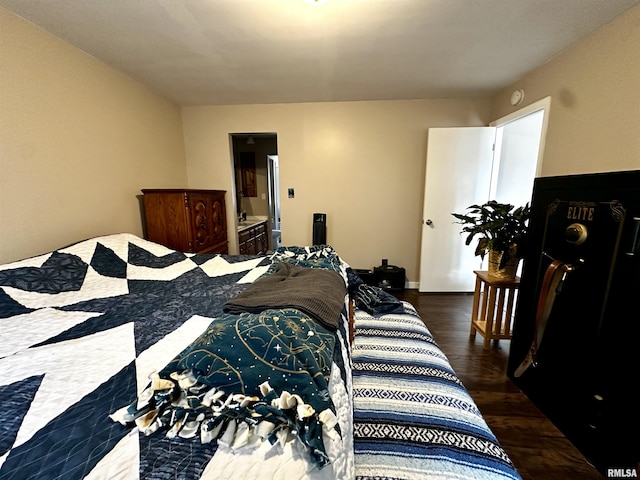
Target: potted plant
(501, 229)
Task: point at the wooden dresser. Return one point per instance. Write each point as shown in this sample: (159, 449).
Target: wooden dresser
(186, 220)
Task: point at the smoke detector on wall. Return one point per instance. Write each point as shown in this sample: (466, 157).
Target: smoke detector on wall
(517, 97)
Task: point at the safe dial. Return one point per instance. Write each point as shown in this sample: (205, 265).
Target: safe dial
(576, 233)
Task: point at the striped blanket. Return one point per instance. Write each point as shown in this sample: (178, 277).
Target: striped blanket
(413, 418)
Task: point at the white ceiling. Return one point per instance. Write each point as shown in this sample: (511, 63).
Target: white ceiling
(206, 52)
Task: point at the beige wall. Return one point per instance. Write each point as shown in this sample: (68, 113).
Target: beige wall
(78, 140)
(361, 163)
(594, 123)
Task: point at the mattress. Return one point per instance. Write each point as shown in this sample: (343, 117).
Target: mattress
(90, 330)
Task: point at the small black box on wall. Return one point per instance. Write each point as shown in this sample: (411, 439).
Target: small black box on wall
(389, 277)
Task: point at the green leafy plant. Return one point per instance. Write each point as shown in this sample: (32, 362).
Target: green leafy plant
(499, 226)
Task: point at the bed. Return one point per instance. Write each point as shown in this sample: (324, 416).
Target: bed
(121, 358)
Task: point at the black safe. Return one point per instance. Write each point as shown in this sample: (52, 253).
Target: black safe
(586, 370)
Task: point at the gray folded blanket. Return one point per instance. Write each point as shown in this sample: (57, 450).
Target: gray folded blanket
(316, 292)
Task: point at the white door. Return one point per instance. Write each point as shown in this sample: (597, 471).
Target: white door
(274, 189)
(458, 174)
(273, 173)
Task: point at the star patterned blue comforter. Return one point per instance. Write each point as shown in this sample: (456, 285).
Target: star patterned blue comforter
(82, 331)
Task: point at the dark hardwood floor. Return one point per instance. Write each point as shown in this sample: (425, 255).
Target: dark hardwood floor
(536, 447)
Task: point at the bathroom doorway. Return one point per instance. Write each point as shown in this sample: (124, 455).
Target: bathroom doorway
(256, 179)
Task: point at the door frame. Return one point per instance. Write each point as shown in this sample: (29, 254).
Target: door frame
(542, 104)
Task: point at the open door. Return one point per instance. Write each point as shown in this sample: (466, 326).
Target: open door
(458, 174)
(472, 165)
(273, 172)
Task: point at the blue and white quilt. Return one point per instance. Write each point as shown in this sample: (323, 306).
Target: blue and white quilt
(82, 331)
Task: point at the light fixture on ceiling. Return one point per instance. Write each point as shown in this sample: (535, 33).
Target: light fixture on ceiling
(250, 140)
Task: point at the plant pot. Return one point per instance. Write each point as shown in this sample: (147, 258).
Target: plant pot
(506, 273)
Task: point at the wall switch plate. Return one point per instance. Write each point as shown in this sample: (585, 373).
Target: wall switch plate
(291, 193)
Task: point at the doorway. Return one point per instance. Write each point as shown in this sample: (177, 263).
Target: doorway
(520, 139)
(256, 181)
(471, 165)
(273, 177)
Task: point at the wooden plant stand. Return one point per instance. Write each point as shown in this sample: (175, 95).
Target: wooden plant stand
(493, 307)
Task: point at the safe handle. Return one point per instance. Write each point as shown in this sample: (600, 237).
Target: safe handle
(634, 241)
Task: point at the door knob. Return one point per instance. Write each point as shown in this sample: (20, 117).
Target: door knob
(429, 222)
